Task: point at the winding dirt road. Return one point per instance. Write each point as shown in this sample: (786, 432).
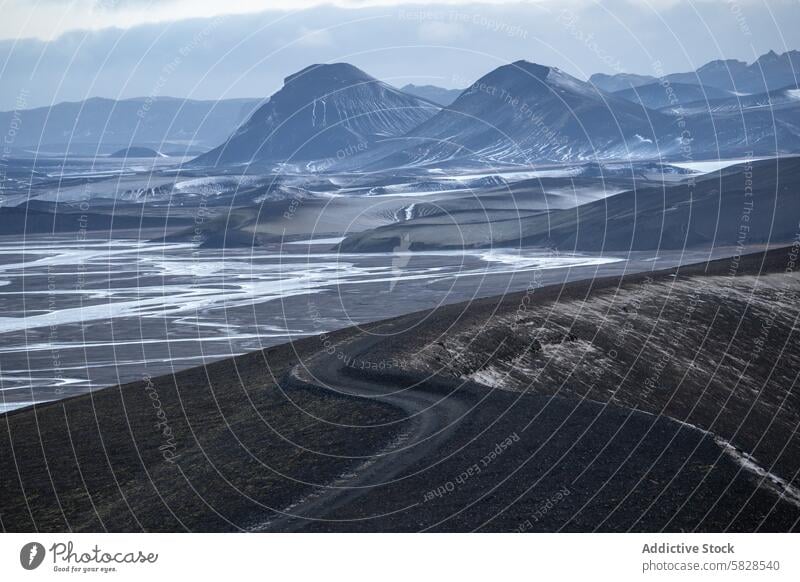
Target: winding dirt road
(428, 420)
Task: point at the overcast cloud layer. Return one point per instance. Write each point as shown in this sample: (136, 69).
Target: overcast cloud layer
(248, 55)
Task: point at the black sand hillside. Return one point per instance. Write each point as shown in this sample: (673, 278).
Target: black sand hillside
(234, 447)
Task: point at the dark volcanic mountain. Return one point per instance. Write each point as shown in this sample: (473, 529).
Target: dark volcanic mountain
(324, 112)
(525, 112)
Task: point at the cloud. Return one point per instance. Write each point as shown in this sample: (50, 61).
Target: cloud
(314, 38)
(437, 32)
(48, 19)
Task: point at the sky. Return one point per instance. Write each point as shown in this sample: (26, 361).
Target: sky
(57, 50)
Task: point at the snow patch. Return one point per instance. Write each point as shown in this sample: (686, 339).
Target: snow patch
(317, 241)
(489, 377)
(708, 166)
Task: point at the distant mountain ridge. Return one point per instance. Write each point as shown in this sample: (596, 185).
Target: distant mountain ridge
(102, 126)
(620, 81)
(768, 72)
(438, 95)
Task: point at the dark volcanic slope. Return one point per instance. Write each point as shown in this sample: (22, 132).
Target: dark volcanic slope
(661, 401)
(751, 203)
(648, 403)
(324, 112)
(745, 204)
(212, 449)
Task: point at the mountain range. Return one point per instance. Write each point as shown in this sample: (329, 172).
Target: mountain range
(335, 117)
(338, 118)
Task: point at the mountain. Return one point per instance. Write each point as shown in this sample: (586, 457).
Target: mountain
(323, 113)
(521, 113)
(656, 96)
(620, 81)
(102, 126)
(770, 71)
(438, 95)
